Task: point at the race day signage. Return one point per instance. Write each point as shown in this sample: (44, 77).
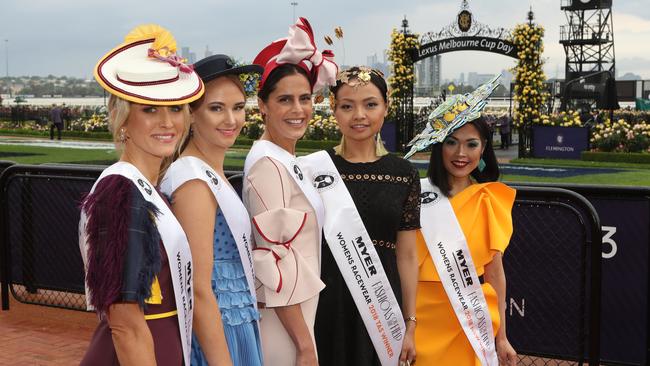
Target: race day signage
(486, 44)
(466, 34)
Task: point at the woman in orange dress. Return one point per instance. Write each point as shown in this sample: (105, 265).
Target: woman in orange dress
(463, 168)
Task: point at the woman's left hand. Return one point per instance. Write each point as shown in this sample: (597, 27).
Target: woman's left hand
(407, 357)
(506, 354)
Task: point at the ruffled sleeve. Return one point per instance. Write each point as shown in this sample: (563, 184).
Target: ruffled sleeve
(123, 254)
(285, 276)
(484, 212)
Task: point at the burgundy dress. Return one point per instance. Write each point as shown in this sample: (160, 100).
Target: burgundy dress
(125, 256)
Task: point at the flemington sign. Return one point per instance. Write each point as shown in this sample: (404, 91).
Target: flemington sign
(466, 34)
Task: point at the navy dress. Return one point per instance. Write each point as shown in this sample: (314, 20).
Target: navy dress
(238, 312)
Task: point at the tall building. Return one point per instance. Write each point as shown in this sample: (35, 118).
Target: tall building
(475, 79)
(185, 53)
(428, 76)
(208, 53)
(372, 60)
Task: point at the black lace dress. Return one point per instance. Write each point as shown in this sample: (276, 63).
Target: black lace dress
(386, 193)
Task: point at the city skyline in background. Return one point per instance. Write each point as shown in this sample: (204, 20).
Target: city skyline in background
(30, 48)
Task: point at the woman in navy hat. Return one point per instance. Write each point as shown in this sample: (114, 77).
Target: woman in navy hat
(215, 221)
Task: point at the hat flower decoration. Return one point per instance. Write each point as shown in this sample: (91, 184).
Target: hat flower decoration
(299, 48)
(451, 115)
(146, 69)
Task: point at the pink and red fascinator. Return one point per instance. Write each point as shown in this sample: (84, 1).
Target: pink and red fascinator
(299, 49)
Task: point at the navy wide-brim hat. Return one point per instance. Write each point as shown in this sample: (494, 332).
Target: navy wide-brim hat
(214, 66)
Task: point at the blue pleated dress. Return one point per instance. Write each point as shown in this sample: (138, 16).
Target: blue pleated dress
(235, 302)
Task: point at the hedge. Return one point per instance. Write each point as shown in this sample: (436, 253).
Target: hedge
(104, 136)
(639, 158)
(244, 142)
(241, 142)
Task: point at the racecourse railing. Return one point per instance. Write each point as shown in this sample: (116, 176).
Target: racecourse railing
(553, 263)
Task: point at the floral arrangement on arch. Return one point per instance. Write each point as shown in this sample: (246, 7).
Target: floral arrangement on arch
(529, 93)
(401, 69)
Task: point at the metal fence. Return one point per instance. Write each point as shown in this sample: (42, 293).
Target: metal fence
(552, 264)
(553, 278)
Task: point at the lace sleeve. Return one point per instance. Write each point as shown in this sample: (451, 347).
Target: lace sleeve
(411, 207)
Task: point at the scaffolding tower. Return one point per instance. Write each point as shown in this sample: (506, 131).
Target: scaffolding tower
(588, 41)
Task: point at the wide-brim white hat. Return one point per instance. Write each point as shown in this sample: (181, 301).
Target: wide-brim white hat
(139, 72)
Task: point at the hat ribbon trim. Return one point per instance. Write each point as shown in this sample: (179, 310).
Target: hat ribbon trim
(148, 83)
(172, 59)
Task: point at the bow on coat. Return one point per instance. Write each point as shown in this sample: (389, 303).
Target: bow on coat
(286, 275)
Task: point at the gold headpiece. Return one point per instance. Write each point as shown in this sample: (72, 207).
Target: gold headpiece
(359, 75)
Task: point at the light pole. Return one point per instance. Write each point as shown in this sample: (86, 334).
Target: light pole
(294, 4)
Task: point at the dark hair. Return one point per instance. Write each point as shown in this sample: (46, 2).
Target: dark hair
(276, 75)
(438, 175)
(375, 78)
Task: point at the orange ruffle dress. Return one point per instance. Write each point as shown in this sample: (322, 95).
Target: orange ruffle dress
(484, 213)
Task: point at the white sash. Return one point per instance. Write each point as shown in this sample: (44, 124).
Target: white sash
(262, 148)
(453, 260)
(357, 259)
(189, 168)
(174, 241)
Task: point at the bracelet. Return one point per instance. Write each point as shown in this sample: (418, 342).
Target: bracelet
(411, 318)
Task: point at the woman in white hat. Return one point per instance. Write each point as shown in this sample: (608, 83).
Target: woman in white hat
(216, 221)
(138, 267)
(284, 206)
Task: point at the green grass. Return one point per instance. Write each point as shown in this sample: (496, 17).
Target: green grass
(579, 163)
(37, 155)
(633, 175)
(625, 178)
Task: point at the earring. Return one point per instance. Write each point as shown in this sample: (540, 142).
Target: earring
(481, 165)
(122, 135)
(378, 139)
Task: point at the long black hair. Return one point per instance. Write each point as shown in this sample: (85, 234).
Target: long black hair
(438, 175)
(276, 75)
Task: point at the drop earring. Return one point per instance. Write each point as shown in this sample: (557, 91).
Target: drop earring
(122, 135)
(481, 165)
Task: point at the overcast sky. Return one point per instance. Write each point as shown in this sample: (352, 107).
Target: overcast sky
(67, 37)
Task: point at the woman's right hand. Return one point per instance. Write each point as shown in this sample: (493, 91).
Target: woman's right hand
(306, 358)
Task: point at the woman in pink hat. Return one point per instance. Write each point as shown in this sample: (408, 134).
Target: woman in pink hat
(138, 266)
(286, 210)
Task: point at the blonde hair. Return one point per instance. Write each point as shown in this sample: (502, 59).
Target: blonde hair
(380, 149)
(118, 113)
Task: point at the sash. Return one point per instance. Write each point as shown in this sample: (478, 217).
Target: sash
(189, 168)
(453, 260)
(357, 260)
(262, 148)
(174, 242)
